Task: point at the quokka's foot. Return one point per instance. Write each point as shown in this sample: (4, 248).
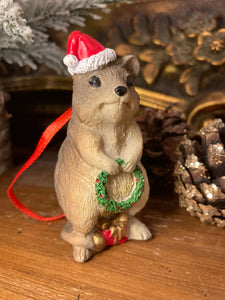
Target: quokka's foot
(81, 254)
(83, 245)
(137, 230)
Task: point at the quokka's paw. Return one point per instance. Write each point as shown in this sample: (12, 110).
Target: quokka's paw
(137, 230)
(114, 168)
(81, 254)
(129, 167)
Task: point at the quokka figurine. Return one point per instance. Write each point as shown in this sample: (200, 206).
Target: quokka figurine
(100, 182)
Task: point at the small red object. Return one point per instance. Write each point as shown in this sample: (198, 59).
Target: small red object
(82, 45)
(110, 241)
(85, 54)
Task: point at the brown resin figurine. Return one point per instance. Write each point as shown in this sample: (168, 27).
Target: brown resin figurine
(99, 179)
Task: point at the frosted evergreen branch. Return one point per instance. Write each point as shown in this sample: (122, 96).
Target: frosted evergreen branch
(50, 54)
(43, 14)
(24, 24)
(34, 54)
(12, 23)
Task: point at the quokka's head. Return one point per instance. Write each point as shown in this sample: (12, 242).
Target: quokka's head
(107, 95)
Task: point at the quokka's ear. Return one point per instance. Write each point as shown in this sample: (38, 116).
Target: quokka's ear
(131, 64)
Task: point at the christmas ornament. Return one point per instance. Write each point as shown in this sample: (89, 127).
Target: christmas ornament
(200, 173)
(101, 130)
(162, 132)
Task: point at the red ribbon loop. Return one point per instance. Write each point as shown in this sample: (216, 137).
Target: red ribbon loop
(45, 139)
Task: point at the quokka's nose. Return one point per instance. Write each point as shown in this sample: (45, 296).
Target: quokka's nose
(120, 90)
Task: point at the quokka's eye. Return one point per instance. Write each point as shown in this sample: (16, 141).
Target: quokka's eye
(130, 81)
(95, 81)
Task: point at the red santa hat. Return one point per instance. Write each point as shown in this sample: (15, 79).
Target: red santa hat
(85, 54)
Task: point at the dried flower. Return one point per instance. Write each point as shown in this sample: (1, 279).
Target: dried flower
(196, 22)
(162, 34)
(211, 47)
(141, 35)
(154, 60)
(181, 49)
(188, 46)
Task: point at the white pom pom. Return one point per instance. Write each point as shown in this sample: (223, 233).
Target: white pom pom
(70, 60)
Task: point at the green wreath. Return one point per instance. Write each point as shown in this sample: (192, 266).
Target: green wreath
(110, 204)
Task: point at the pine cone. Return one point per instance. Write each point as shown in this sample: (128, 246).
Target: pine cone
(200, 173)
(162, 133)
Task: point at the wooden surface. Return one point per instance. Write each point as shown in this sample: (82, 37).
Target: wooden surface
(184, 260)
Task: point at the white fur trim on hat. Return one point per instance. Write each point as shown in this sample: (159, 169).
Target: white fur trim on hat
(91, 63)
